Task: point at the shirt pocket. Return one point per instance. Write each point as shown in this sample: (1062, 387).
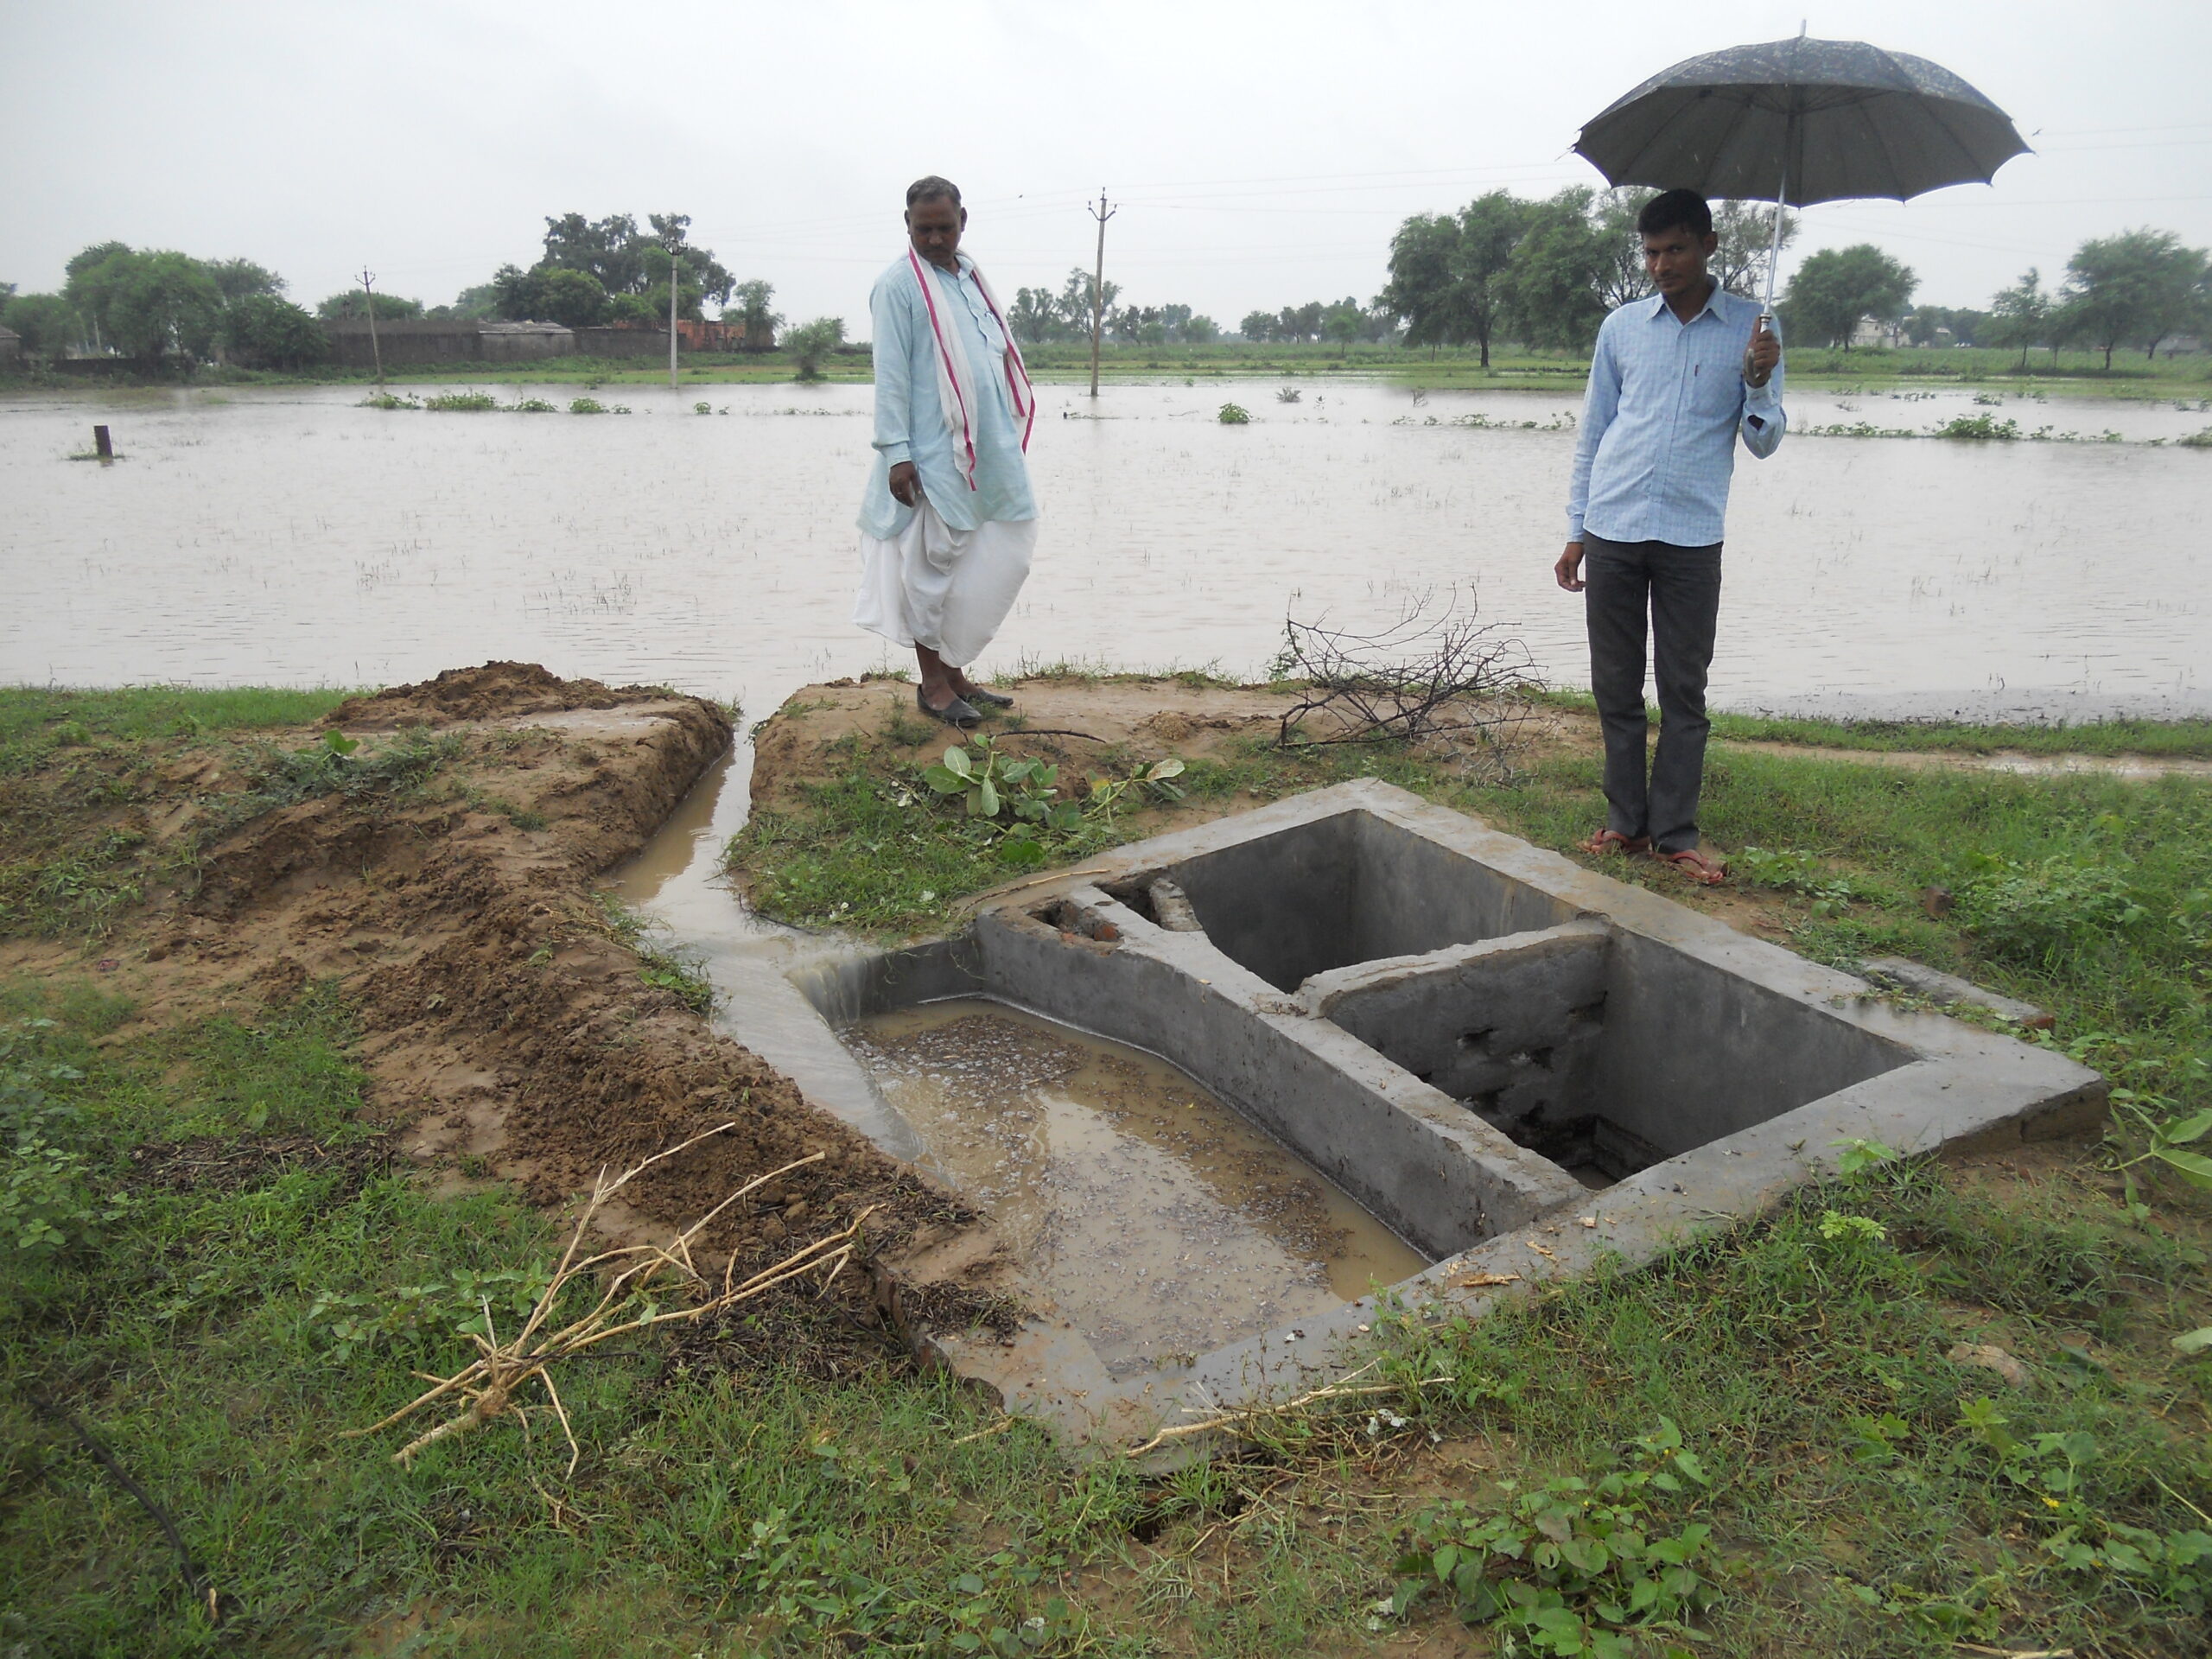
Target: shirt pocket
(1717, 377)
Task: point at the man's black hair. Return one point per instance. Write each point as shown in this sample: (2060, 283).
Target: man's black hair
(1671, 208)
(932, 189)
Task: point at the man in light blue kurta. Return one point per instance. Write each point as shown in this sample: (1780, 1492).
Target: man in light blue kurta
(948, 523)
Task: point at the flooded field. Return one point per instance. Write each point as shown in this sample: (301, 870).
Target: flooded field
(1162, 1221)
(294, 537)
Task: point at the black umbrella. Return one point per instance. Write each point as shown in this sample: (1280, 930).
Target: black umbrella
(1801, 121)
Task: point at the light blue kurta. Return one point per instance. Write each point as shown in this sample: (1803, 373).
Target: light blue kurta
(910, 419)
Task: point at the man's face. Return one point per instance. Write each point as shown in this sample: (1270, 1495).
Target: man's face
(1674, 259)
(934, 226)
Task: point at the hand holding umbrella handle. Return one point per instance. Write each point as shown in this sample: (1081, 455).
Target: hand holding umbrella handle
(1763, 353)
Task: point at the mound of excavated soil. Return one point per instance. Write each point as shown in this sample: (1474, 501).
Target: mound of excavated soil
(506, 1028)
(494, 691)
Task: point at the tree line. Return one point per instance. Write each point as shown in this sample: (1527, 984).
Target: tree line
(157, 305)
(1545, 273)
(149, 304)
(1040, 317)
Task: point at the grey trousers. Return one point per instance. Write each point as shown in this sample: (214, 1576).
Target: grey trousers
(1679, 588)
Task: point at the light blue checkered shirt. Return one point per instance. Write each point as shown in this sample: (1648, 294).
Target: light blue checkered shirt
(1666, 399)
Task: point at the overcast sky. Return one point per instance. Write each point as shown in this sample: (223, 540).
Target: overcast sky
(1259, 153)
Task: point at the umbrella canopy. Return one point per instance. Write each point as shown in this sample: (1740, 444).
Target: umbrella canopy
(1801, 121)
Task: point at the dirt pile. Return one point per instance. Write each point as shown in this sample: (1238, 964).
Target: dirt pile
(506, 1028)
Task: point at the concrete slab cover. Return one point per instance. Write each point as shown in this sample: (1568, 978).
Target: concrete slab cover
(1423, 1008)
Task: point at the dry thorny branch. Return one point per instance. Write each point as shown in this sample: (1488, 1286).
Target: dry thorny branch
(1439, 675)
(501, 1367)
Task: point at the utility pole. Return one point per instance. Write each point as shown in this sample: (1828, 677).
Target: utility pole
(671, 316)
(1101, 212)
(369, 303)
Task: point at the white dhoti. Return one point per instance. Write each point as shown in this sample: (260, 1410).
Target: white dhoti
(948, 589)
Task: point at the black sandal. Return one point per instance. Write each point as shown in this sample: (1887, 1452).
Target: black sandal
(958, 712)
(988, 699)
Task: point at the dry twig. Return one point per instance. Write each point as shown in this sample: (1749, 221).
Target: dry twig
(500, 1370)
(1439, 675)
(1252, 1416)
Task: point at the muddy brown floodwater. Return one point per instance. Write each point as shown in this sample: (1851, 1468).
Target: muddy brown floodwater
(1163, 1223)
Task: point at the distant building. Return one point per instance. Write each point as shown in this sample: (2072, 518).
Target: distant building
(1872, 333)
(445, 340)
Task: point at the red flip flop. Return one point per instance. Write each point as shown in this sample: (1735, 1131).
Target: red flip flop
(1693, 862)
(1611, 841)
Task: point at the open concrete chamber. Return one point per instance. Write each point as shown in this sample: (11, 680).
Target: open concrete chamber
(1517, 1065)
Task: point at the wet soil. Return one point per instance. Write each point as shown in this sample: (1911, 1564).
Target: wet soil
(505, 1028)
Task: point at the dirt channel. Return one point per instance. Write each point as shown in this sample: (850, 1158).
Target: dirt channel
(506, 1028)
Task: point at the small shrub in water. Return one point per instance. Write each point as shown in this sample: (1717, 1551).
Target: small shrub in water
(703, 409)
(1234, 414)
(586, 406)
(533, 406)
(465, 403)
(1978, 426)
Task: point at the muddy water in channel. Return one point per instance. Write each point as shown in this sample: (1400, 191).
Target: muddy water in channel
(1163, 1222)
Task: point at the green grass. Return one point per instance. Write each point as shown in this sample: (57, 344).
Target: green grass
(2163, 739)
(221, 1337)
(2073, 373)
(36, 721)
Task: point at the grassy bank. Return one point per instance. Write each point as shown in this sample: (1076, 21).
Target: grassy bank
(240, 1274)
(2071, 374)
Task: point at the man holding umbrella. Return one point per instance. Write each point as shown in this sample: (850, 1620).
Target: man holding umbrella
(1673, 380)
(1676, 377)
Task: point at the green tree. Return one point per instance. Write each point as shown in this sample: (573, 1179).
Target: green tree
(2136, 288)
(263, 332)
(1490, 225)
(86, 258)
(749, 306)
(353, 305)
(609, 248)
(572, 298)
(2020, 315)
(48, 322)
(1075, 301)
(1258, 326)
(1448, 273)
(477, 304)
(1419, 287)
(1558, 269)
(1201, 330)
(1836, 287)
(809, 343)
(240, 279)
(701, 273)
(149, 304)
(1034, 316)
(1746, 233)
(1344, 322)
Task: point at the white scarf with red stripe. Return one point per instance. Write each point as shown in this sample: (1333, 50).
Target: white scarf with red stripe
(956, 375)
